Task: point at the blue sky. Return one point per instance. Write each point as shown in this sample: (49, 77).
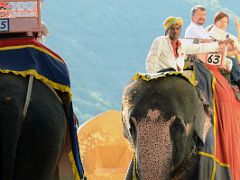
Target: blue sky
(104, 43)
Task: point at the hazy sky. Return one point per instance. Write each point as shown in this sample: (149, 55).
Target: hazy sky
(104, 43)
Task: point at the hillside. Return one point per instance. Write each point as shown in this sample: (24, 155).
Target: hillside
(105, 42)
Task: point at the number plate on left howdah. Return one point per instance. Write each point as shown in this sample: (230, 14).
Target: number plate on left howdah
(4, 25)
(214, 59)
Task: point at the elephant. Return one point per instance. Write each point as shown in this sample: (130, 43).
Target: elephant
(165, 121)
(30, 146)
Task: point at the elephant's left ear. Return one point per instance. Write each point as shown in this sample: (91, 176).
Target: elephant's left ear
(202, 124)
(126, 124)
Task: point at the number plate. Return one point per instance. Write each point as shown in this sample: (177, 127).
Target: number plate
(214, 59)
(4, 25)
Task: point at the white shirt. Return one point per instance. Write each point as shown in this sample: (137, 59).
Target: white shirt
(220, 34)
(196, 31)
(161, 54)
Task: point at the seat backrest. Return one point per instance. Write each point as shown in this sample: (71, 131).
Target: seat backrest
(20, 16)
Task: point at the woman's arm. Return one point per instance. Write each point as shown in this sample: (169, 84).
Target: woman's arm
(237, 25)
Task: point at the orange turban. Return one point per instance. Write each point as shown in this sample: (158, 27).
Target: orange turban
(172, 20)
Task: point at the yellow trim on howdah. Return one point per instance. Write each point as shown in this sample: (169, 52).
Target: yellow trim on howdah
(148, 77)
(214, 158)
(33, 72)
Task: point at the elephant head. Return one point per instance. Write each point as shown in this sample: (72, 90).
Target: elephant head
(164, 119)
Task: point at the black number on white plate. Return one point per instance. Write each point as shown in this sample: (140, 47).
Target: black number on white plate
(4, 25)
(214, 59)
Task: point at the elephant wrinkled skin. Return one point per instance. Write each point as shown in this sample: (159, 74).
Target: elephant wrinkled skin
(30, 147)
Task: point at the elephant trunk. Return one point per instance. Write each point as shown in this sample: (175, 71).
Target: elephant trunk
(154, 150)
(154, 166)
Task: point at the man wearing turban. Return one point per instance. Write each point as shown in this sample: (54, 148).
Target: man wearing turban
(171, 21)
(169, 51)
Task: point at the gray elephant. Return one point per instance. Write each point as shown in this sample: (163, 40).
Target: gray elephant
(30, 147)
(165, 121)
(37, 125)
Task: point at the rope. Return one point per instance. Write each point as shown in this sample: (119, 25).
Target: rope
(54, 92)
(28, 96)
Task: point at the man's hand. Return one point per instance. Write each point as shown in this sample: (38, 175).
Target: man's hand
(228, 41)
(221, 48)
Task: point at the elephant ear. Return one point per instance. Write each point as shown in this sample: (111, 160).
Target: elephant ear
(202, 124)
(126, 124)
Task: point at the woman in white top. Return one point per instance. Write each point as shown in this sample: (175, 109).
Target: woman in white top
(218, 31)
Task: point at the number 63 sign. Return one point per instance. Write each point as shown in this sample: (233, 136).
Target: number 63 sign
(214, 59)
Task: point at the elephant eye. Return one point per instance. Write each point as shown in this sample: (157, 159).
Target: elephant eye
(132, 129)
(177, 128)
